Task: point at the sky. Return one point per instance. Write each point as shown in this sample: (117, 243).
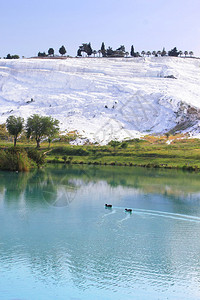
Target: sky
(28, 27)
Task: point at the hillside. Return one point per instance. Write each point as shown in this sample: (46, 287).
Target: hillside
(103, 98)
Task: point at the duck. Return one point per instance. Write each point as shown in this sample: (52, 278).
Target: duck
(128, 210)
(108, 205)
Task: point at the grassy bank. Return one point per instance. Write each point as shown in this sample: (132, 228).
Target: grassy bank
(149, 152)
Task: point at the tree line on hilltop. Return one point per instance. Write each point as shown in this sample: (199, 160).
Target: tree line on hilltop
(86, 50)
(121, 52)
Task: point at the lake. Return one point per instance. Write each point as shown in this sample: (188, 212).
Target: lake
(59, 242)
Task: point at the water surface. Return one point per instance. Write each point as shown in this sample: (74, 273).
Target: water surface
(58, 242)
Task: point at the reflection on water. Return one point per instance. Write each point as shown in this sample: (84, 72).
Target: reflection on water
(57, 241)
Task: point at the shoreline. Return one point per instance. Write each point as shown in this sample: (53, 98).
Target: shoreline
(115, 164)
(149, 152)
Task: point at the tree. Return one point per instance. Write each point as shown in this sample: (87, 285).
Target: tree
(14, 125)
(94, 52)
(186, 53)
(4, 135)
(154, 53)
(89, 50)
(12, 56)
(173, 52)
(62, 50)
(148, 53)
(124, 145)
(119, 52)
(109, 51)
(180, 53)
(121, 48)
(15, 56)
(51, 51)
(103, 49)
(114, 144)
(159, 52)
(143, 53)
(167, 134)
(79, 52)
(86, 48)
(53, 129)
(41, 54)
(191, 53)
(99, 51)
(132, 51)
(39, 127)
(163, 53)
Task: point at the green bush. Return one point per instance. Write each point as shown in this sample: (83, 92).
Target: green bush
(36, 156)
(15, 159)
(124, 145)
(114, 144)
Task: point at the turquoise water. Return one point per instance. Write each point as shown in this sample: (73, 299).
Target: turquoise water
(58, 242)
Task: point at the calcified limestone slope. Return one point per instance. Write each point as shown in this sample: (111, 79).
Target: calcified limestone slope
(105, 98)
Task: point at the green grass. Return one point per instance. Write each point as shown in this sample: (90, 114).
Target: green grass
(149, 152)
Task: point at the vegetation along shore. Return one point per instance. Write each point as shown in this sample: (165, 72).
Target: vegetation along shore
(40, 142)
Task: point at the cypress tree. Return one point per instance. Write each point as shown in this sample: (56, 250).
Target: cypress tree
(132, 51)
(103, 49)
(89, 49)
(163, 53)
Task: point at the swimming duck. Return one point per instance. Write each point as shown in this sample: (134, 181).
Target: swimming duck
(108, 205)
(128, 210)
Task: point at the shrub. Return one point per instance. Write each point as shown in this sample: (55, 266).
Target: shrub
(37, 157)
(15, 159)
(124, 145)
(114, 144)
(70, 151)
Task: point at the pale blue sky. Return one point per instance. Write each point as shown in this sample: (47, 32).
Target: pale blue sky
(31, 26)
